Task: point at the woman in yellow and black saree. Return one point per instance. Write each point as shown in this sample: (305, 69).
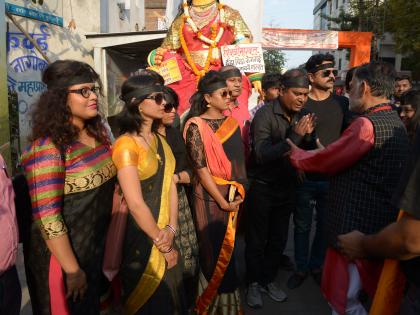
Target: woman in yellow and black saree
(215, 148)
(149, 275)
(71, 181)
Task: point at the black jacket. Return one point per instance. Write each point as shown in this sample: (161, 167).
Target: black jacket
(269, 130)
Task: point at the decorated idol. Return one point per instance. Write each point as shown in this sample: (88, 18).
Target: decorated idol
(194, 39)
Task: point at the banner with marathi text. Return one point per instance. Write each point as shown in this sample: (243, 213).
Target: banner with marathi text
(299, 39)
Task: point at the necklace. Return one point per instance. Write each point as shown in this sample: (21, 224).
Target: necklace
(157, 155)
(213, 41)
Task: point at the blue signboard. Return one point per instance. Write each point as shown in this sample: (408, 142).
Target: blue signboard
(34, 14)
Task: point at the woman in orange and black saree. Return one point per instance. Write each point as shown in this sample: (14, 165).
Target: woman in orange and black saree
(146, 165)
(71, 181)
(214, 146)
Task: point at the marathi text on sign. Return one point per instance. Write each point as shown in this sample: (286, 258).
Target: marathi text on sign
(246, 57)
(169, 70)
(299, 39)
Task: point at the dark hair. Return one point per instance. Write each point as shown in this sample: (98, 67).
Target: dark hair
(404, 77)
(292, 74)
(270, 80)
(412, 97)
(51, 115)
(316, 60)
(380, 76)
(171, 96)
(197, 100)
(349, 77)
(130, 120)
(158, 78)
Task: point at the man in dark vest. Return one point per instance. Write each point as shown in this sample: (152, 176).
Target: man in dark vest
(399, 240)
(365, 164)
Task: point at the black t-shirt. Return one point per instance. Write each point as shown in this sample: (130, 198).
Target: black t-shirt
(410, 203)
(332, 118)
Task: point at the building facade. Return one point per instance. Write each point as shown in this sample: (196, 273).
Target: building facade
(386, 45)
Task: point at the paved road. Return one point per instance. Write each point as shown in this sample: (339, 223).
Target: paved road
(306, 300)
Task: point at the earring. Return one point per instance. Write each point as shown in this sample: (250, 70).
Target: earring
(208, 105)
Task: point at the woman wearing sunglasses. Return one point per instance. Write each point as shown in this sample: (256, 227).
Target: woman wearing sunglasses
(216, 152)
(186, 238)
(146, 167)
(71, 180)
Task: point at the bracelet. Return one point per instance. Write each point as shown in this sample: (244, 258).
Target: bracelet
(171, 228)
(168, 251)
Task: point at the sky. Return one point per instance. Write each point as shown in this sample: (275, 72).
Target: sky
(295, 14)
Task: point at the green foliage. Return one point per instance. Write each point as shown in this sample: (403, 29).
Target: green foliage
(403, 21)
(399, 17)
(273, 59)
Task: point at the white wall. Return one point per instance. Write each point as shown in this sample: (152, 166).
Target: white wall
(116, 20)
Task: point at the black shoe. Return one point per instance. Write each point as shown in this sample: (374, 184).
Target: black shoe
(296, 280)
(317, 276)
(286, 263)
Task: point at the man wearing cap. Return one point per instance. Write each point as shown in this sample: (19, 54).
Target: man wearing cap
(331, 112)
(271, 198)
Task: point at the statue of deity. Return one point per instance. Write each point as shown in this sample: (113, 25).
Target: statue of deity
(194, 39)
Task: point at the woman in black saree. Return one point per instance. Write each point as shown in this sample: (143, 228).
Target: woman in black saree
(215, 148)
(145, 167)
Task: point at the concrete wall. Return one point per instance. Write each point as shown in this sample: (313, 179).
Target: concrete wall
(25, 63)
(120, 16)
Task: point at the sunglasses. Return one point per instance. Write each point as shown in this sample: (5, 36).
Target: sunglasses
(327, 73)
(158, 98)
(86, 91)
(226, 94)
(169, 107)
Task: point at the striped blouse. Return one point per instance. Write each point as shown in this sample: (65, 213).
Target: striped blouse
(51, 175)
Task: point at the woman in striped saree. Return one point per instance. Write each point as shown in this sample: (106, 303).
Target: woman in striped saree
(70, 176)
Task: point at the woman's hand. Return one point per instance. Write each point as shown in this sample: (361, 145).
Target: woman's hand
(76, 284)
(233, 205)
(164, 240)
(171, 258)
(176, 179)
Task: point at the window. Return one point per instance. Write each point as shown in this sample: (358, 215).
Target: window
(336, 4)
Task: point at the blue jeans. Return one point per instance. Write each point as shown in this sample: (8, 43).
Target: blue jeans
(308, 192)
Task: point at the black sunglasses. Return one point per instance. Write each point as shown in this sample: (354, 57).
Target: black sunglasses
(226, 94)
(327, 73)
(158, 98)
(86, 91)
(169, 107)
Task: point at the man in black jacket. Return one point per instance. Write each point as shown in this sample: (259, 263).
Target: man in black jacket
(332, 113)
(271, 198)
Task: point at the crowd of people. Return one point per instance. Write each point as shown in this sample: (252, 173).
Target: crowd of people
(185, 190)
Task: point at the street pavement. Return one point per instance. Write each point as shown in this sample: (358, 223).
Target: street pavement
(305, 300)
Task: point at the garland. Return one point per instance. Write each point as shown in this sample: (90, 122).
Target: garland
(190, 61)
(212, 41)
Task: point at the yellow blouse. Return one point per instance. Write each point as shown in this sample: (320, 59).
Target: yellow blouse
(128, 152)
